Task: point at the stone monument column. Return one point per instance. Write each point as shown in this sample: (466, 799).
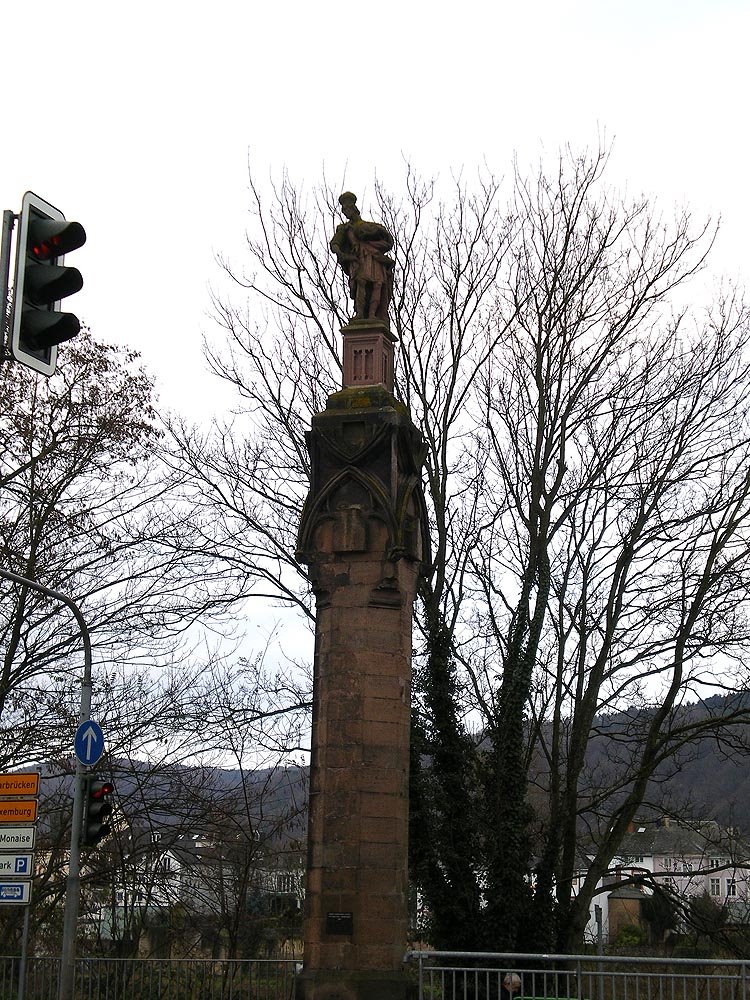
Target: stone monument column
(363, 537)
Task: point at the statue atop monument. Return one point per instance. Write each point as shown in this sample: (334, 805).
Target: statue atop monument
(361, 249)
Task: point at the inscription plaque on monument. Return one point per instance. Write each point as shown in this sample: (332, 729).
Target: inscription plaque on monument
(340, 923)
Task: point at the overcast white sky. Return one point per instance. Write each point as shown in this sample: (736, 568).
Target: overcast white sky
(136, 119)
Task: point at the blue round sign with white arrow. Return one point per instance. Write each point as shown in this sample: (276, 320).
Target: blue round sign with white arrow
(89, 742)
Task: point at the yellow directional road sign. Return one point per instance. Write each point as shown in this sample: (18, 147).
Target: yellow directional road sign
(19, 784)
(18, 810)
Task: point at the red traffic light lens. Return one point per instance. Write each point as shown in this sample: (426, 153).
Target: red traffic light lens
(49, 239)
(106, 788)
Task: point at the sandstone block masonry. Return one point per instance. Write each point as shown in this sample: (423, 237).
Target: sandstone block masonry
(363, 538)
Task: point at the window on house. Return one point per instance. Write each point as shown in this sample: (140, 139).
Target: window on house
(284, 882)
(731, 887)
(717, 862)
(715, 884)
(687, 866)
(155, 836)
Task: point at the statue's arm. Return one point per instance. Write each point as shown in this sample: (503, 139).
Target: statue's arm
(341, 245)
(375, 235)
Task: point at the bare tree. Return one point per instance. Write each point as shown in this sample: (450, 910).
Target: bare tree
(585, 475)
(88, 509)
(205, 760)
(217, 784)
(612, 563)
(281, 359)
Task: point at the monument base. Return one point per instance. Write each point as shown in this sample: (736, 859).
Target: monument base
(340, 984)
(368, 353)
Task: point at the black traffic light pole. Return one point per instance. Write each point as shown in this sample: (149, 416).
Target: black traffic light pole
(9, 219)
(73, 884)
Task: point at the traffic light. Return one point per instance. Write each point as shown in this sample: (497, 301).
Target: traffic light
(96, 808)
(41, 281)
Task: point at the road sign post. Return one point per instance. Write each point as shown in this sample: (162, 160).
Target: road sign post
(73, 884)
(18, 805)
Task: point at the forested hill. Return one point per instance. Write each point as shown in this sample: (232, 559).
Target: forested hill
(707, 781)
(270, 801)
(704, 781)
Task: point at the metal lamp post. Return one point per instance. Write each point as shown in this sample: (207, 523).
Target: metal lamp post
(73, 883)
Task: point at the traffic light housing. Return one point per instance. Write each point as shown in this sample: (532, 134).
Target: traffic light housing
(41, 281)
(96, 809)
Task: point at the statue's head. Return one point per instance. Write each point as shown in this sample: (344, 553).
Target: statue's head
(348, 202)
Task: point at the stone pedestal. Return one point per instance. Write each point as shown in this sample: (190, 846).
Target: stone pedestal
(363, 537)
(368, 353)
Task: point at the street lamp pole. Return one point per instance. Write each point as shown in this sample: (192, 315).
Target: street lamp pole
(73, 883)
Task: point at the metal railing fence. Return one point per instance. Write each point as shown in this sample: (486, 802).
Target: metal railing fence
(438, 975)
(480, 976)
(154, 979)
